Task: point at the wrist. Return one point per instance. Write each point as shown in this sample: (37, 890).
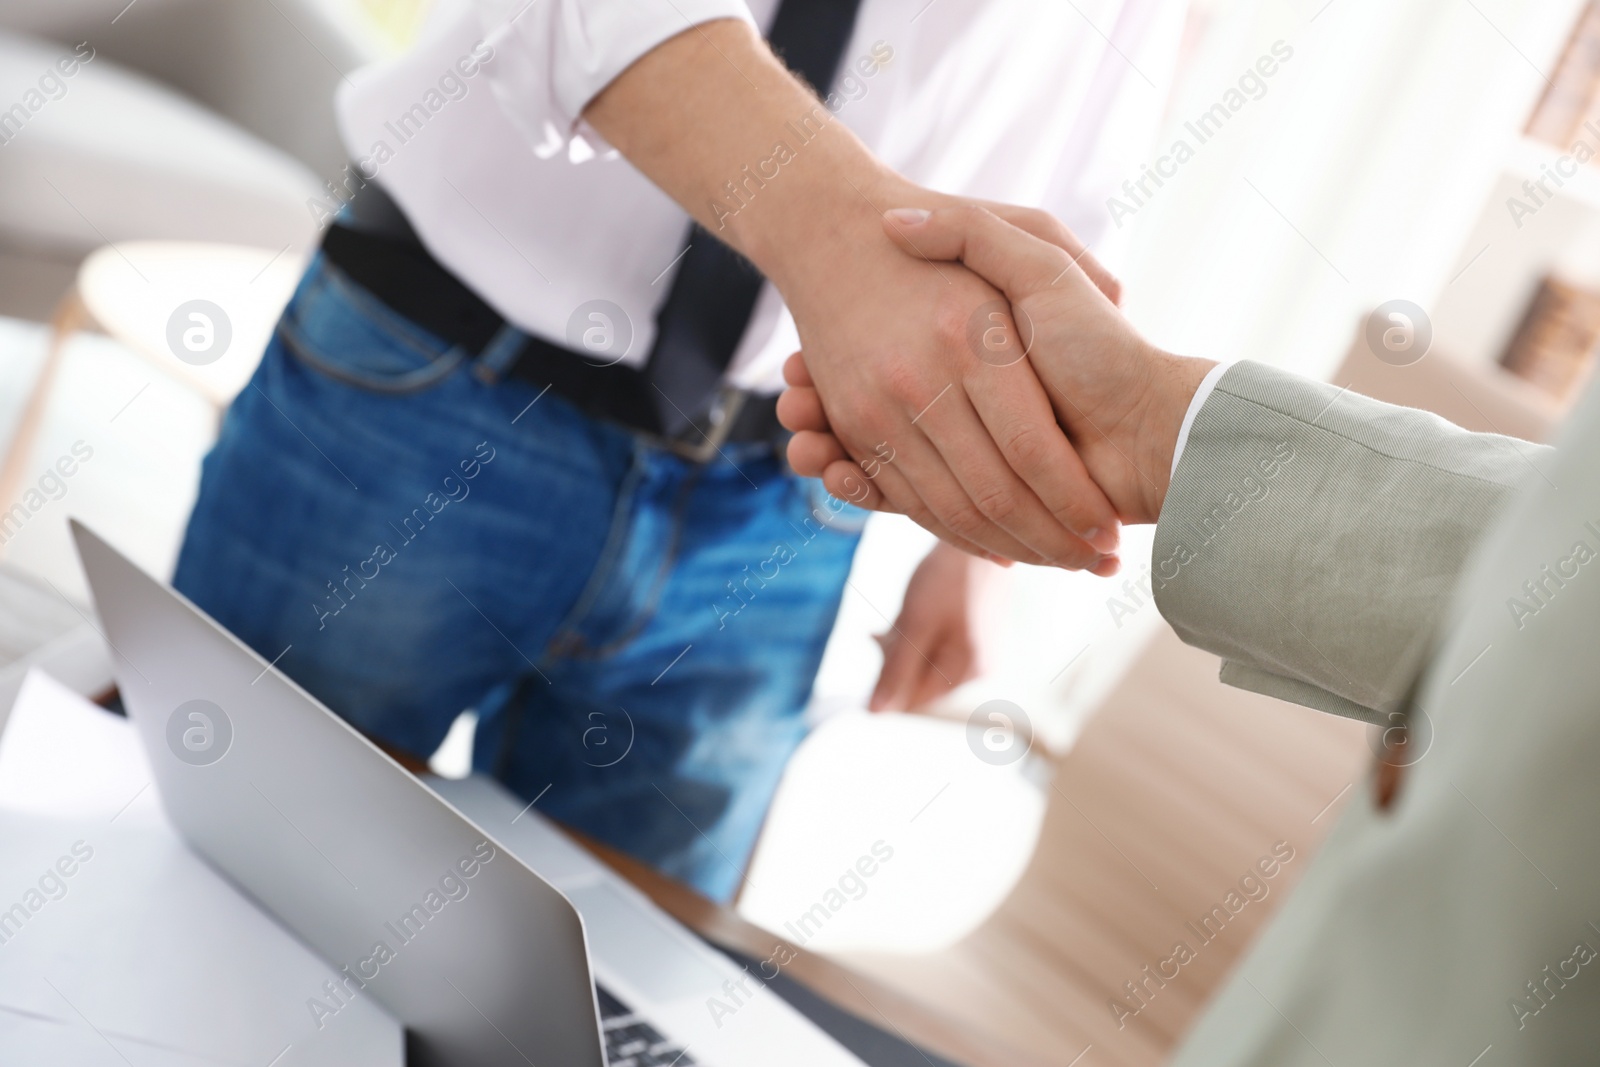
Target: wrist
(823, 211)
(1151, 437)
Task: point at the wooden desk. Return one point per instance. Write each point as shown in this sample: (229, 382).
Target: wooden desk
(856, 993)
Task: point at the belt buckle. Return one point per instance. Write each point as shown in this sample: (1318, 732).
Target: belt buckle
(723, 414)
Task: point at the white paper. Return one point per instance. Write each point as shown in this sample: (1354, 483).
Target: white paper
(125, 937)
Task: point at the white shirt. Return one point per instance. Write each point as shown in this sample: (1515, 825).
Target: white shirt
(1198, 401)
(1016, 100)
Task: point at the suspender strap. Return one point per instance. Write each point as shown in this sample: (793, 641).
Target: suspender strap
(714, 293)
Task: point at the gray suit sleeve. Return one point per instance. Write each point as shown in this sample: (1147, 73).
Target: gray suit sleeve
(1312, 537)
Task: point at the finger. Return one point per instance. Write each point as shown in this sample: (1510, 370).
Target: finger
(1047, 227)
(811, 453)
(1072, 534)
(800, 408)
(844, 481)
(1016, 413)
(821, 455)
(955, 503)
(795, 371)
(897, 680)
(1010, 399)
(1013, 261)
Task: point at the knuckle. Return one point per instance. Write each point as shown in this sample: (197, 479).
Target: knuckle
(1056, 231)
(1042, 223)
(972, 212)
(965, 211)
(855, 427)
(966, 521)
(1026, 447)
(1075, 519)
(923, 518)
(902, 383)
(951, 315)
(999, 503)
(1076, 515)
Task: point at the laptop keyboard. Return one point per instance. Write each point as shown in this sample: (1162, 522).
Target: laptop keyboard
(632, 1042)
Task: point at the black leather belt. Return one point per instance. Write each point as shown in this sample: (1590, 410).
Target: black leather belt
(374, 244)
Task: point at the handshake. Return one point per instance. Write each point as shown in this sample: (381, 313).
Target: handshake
(916, 390)
(1035, 423)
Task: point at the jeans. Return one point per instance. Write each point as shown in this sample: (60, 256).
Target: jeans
(639, 633)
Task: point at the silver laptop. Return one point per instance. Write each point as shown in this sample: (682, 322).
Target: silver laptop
(489, 935)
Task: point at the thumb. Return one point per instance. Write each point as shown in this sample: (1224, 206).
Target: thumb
(1050, 229)
(1011, 260)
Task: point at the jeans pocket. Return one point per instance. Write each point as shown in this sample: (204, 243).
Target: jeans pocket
(339, 329)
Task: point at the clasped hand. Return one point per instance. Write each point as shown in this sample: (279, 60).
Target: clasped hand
(1081, 413)
(924, 412)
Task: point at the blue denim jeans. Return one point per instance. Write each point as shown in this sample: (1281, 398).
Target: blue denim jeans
(639, 633)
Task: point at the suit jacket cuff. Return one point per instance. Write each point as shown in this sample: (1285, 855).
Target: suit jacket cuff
(1312, 537)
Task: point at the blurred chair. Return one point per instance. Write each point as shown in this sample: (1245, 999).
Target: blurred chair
(119, 157)
(201, 313)
(269, 66)
(204, 120)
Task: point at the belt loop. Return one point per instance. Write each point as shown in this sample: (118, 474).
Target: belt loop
(499, 354)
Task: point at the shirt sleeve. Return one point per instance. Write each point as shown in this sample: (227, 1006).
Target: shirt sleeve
(1208, 383)
(551, 57)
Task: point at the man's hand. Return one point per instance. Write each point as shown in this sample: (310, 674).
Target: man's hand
(933, 645)
(978, 458)
(1120, 399)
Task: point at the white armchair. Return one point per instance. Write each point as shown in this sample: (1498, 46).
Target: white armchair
(204, 123)
(196, 119)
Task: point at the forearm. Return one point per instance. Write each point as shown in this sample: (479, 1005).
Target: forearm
(1312, 538)
(1137, 454)
(715, 120)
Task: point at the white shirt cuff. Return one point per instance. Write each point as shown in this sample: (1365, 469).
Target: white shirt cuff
(1208, 383)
